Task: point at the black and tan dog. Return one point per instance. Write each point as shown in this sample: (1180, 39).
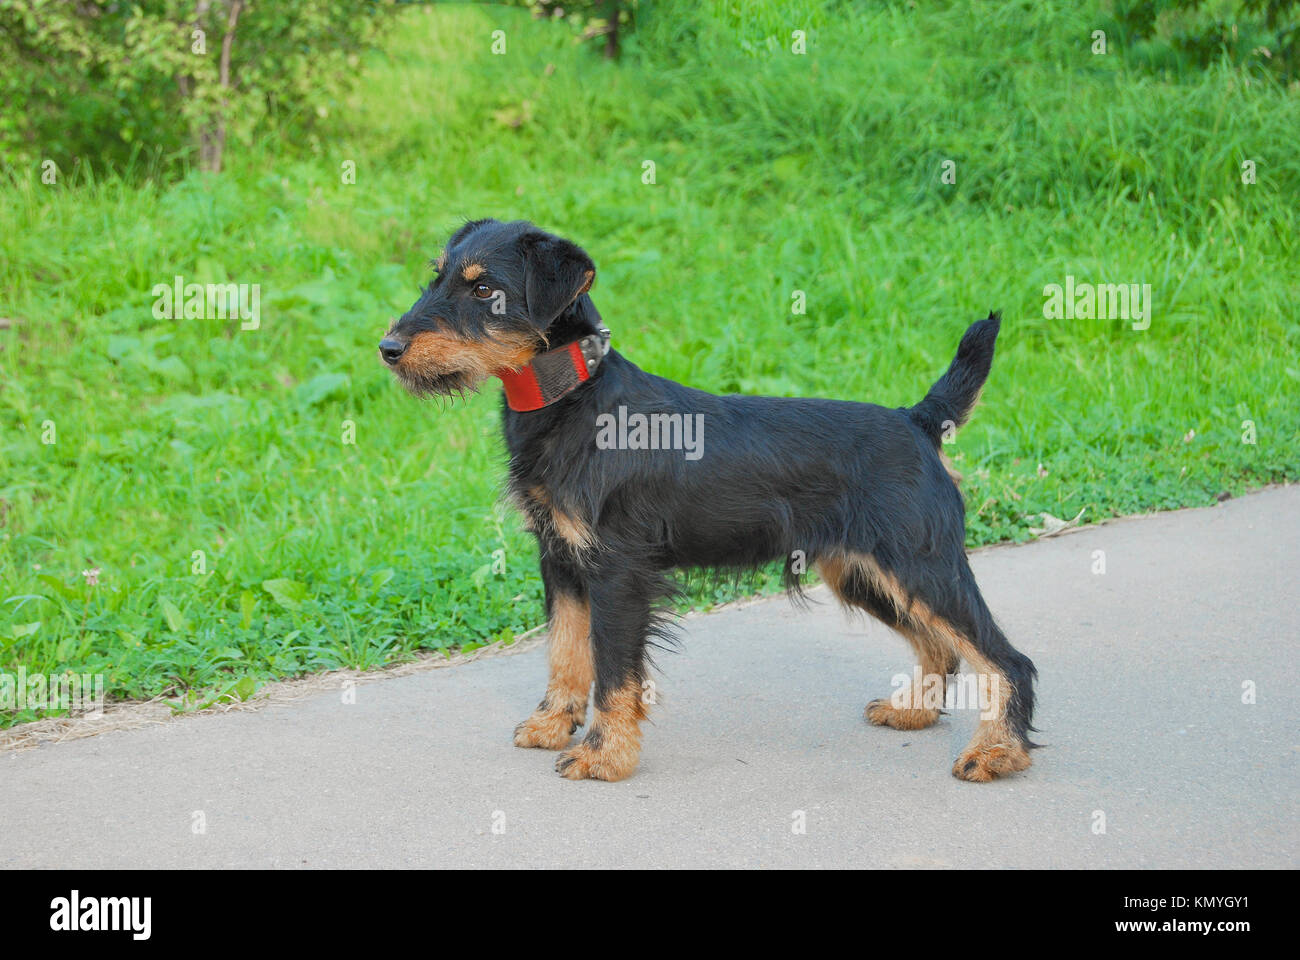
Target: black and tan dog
(859, 490)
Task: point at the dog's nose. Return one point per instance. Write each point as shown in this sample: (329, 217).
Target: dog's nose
(391, 350)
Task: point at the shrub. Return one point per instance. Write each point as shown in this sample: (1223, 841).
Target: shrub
(102, 79)
(1191, 34)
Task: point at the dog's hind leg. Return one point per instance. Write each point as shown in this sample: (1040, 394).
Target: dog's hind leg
(572, 669)
(919, 705)
(621, 620)
(860, 583)
(947, 604)
(938, 607)
(1006, 686)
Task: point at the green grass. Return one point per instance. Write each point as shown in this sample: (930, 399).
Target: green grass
(774, 173)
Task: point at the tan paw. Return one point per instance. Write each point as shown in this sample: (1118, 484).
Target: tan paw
(585, 763)
(884, 714)
(983, 762)
(548, 730)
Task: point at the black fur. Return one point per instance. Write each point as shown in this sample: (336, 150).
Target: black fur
(951, 399)
(779, 478)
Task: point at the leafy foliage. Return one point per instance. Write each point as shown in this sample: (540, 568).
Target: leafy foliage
(102, 79)
(775, 173)
(603, 21)
(1192, 34)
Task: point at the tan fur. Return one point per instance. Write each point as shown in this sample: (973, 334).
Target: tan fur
(573, 530)
(433, 354)
(618, 729)
(994, 750)
(883, 713)
(950, 467)
(568, 526)
(441, 263)
(572, 672)
(472, 271)
(836, 570)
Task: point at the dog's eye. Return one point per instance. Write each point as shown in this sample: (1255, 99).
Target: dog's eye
(482, 291)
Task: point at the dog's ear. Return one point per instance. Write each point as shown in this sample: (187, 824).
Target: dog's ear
(556, 272)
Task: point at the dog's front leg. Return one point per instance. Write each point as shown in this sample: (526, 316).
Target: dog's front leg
(564, 708)
(620, 620)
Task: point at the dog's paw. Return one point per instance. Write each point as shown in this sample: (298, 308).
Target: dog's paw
(983, 762)
(884, 714)
(585, 763)
(548, 730)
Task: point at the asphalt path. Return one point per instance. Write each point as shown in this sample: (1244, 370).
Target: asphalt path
(1168, 706)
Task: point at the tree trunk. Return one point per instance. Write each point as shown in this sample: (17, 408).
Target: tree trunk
(212, 138)
(611, 35)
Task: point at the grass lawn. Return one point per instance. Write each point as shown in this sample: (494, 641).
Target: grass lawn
(204, 469)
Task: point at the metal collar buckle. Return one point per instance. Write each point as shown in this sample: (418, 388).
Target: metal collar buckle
(594, 347)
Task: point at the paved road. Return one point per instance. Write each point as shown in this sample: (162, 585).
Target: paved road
(1141, 705)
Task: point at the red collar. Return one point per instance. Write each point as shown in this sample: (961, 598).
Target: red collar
(553, 374)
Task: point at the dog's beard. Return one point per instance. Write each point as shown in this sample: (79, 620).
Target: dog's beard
(459, 383)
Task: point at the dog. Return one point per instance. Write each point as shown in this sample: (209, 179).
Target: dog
(860, 492)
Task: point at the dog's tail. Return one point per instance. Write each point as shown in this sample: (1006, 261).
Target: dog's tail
(953, 396)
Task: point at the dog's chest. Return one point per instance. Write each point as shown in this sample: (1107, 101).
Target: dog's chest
(532, 501)
(552, 522)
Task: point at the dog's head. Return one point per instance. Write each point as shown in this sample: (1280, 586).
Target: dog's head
(499, 289)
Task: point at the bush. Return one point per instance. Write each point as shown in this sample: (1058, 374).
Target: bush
(605, 21)
(104, 79)
(1181, 35)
